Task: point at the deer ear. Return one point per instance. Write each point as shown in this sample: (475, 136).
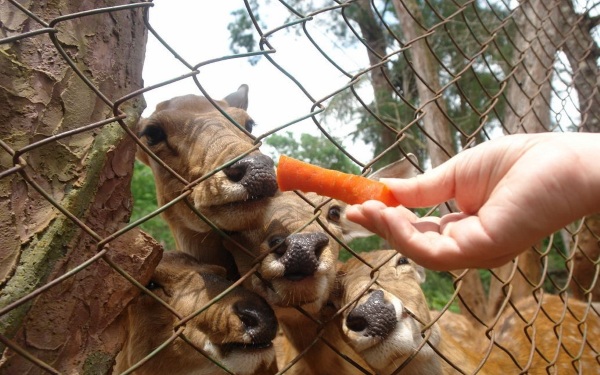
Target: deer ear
(337, 292)
(403, 168)
(238, 99)
(215, 270)
(141, 154)
(420, 273)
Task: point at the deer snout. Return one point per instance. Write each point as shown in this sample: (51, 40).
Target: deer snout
(256, 173)
(258, 319)
(301, 254)
(375, 317)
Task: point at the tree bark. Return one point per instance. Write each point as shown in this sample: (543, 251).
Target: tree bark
(436, 125)
(528, 111)
(73, 327)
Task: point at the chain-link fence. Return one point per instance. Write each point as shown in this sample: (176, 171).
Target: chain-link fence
(439, 77)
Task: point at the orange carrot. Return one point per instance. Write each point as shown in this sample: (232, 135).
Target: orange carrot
(294, 174)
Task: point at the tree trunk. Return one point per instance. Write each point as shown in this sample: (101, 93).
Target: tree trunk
(73, 326)
(583, 52)
(528, 111)
(436, 125)
(529, 86)
(374, 39)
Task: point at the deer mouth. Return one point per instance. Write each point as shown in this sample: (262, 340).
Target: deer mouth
(244, 358)
(249, 200)
(297, 276)
(300, 289)
(240, 205)
(245, 347)
(252, 198)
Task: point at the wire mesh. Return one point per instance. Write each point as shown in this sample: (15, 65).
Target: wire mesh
(439, 77)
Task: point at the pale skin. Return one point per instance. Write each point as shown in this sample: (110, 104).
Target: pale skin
(511, 192)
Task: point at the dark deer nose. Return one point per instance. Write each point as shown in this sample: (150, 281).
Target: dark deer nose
(302, 252)
(258, 318)
(375, 317)
(256, 173)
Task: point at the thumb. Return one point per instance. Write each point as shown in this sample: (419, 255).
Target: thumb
(428, 189)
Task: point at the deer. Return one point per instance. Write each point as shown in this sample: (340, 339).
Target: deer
(215, 162)
(386, 320)
(295, 250)
(236, 331)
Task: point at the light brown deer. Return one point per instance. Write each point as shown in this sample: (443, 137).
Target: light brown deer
(194, 139)
(236, 331)
(384, 324)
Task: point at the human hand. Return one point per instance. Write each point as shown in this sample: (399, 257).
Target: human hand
(511, 192)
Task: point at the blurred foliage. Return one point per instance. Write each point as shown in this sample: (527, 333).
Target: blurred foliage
(242, 32)
(317, 150)
(438, 288)
(144, 203)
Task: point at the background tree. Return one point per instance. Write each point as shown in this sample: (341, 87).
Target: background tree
(582, 52)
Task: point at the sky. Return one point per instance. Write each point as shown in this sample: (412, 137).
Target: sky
(197, 30)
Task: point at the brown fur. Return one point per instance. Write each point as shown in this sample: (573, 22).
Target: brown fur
(193, 138)
(187, 287)
(551, 354)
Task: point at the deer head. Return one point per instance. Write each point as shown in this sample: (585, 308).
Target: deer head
(194, 139)
(296, 255)
(384, 320)
(236, 331)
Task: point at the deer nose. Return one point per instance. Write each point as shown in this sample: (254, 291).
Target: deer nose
(302, 252)
(375, 317)
(258, 319)
(256, 173)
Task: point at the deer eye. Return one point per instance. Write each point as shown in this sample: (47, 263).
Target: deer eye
(276, 244)
(334, 213)
(153, 285)
(250, 124)
(154, 133)
(402, 260)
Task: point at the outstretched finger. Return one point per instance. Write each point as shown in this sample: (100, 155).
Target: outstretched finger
(429, 189)
(369, 215)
